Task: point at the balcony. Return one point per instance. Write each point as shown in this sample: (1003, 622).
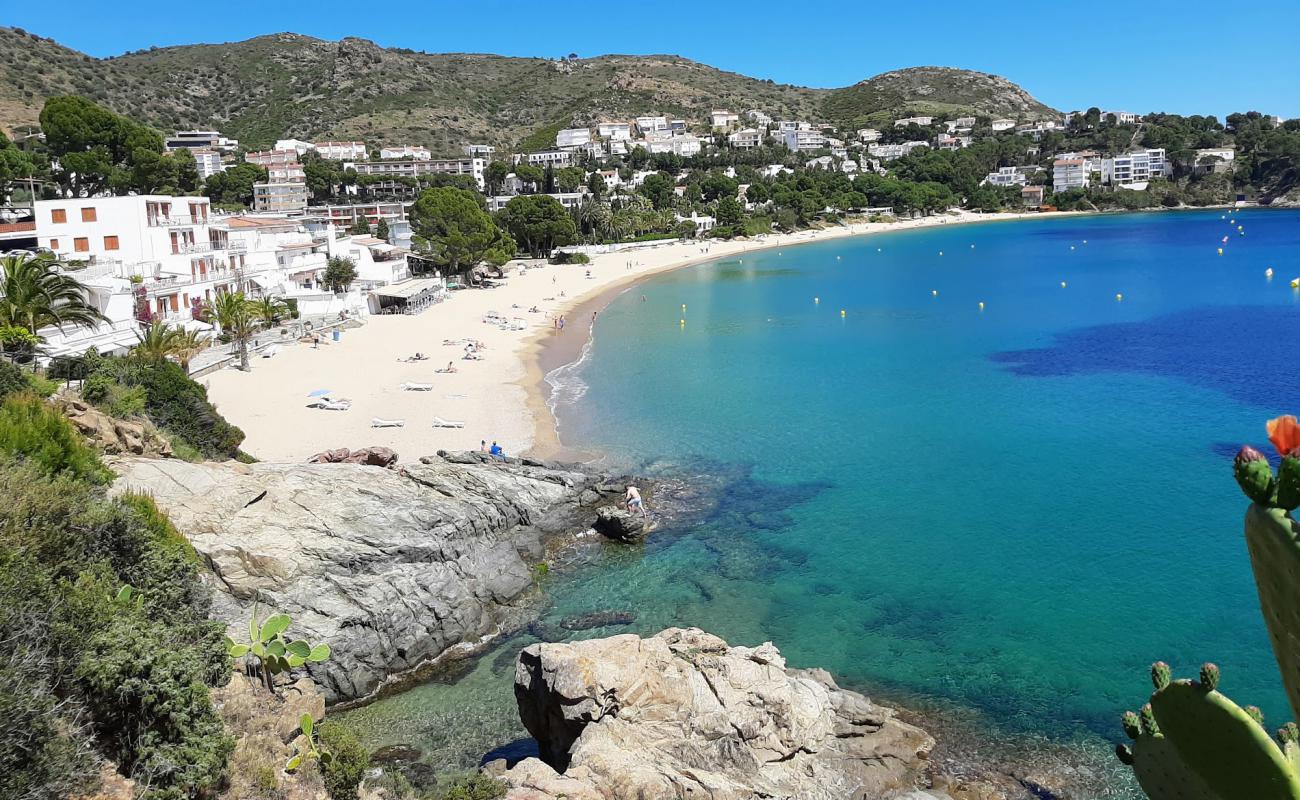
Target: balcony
(176, 220)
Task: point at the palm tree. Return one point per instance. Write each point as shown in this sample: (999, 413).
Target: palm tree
(161, 340)
(269, 310)
(234, 313)
(188, 345)
(37, 294)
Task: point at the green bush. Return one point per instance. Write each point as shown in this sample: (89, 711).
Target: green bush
(41, 385)
(476, 786)
(32, 429)
(348, 766)
(12, 379)
(563, 257)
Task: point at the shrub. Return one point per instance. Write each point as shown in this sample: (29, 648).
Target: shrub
(12, 379)
(30, 428)
(178, 405)
(348, 766)
(41, 385)
(476, 786)
(563, 257)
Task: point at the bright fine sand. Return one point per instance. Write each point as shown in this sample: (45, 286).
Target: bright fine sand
(501, 398)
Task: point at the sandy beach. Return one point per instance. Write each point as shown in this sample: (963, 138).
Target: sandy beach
(502, 397)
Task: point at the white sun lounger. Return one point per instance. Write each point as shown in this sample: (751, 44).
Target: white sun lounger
(417, 387)
(376, 422)
(439, 422)
(270, 351)
(331, 405)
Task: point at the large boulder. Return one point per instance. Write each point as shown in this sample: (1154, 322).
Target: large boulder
(114, 436)
(619, 524)
(390, 567)
(370, 456)
(684, 714)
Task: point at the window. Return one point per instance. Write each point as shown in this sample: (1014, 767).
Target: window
(110, 242)
(81, 244)
(58, 215)
(88, 214)
(54, 244)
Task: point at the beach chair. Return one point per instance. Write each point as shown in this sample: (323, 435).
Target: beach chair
(270, 351)
(377, 422)
(439, 422)
(417, 387)
(326, 404)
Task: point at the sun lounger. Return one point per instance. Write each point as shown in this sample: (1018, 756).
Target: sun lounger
(270, 351)
(330, 405)
(439, 422)
(376, 422)
(417, 387)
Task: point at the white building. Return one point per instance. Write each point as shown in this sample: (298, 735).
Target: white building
(745, 139)
(209, 163)
(286, 173)
(1006, 176)
(201, 140)
(962, 124)
(723, 120)
(570, 200)
(786, 125)
(1070, 173)
(647, 124)
(684, 146)
(1121, 117)
(946, 142)
(615, 131)
(759, 118)
(1213, 160)
(341, 151)
(889, 152)
(272, 158)
(286, 197)
(803, 140)
(1000, 125)
(1137, 167)
(480, 151)
(546, 158)
(296, 145)
(869, 135)
(412, 168)
(413, 152)
(572, 138)
(922, 121)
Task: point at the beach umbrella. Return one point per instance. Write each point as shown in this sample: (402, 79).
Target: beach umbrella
(320, 393)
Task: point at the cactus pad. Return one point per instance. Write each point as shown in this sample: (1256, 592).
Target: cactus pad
(1271, 538)
(1288, 481)
(1193, 743)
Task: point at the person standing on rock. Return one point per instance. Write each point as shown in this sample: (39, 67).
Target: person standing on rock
(634, 501)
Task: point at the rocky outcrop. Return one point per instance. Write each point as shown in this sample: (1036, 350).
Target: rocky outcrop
(370, 456)
(391, 568)
(683, 714)
(136, 437)
(620, 524)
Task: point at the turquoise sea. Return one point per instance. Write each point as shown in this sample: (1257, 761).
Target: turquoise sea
(1008, 511)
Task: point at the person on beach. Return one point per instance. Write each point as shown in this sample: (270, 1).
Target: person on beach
(634, 503)
(482, 445)
(497, 452)
(561, 322)
(451, 367)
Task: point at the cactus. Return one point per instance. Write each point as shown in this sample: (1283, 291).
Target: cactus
(1254, 475)
(273, 652)
(309, 748)
(1288, 481)
(1193, 743)
(1271, 539)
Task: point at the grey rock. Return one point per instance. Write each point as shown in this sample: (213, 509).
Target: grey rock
(392, 568)
(684, 714)
(597, 619)
(619, 524)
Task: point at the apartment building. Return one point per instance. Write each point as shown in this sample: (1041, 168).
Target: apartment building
(280, 198)
(480, 151)
(723, 120)
(745, 139)
(759, 118)
(208, 162)
(1032, 196)
(297, 145)
(272, 158)
(889, 152)
(1138, 166)
(340, 151)
(200, 140)
(647, 124)
(786, 125)
(922, 121)
(1070, 173)
(545, 158)
(869, 135)
(614, 131)
(801, 140)
(570, 200)
(1000, 125)
(684, 146)
(1006, 176)
(572, 137)
(411, 168)
(411, 152)
(286, 173)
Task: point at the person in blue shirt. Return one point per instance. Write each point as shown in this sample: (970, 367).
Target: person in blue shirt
(497, 452)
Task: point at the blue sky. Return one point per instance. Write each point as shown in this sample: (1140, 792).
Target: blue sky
(1183, 57)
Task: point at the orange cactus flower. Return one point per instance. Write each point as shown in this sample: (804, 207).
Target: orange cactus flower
(1284, 433)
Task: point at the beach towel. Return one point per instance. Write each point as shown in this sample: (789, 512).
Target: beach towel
(439, 422)
(417, 387)
(376, 422)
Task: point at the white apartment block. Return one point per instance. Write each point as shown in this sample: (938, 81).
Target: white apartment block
(209, 163)
(614, 131)
(1138, 166)
(922, 121)
(200, 140)
(723, 120)
(684, 146)
(280, 198)
(545, 158)
(341, 151)
(296, 145)
(345, 216)
(272, 158)
(803, 140)
(570, 200)
(647, 124)
(572, 137)
(413, 152)
(745, 139)
(792, 125)
(1121, 117)
(889, 152)
(959, 124)
(1000, 125)
(286, 173)
(677, 125)
(759, 118)
(480, 151)
(1070, 173)
(869, 135)
(1005, 176)
(412, 168)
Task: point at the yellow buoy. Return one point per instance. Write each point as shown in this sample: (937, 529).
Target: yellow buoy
(843, 313)
(1119, 297)
(981, 305)
(1268, 273)
(1220, 251)
(682, 323)
(1295, 283)
(817, 300)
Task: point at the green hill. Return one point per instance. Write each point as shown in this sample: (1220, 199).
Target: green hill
(287, 85)
(931, 90)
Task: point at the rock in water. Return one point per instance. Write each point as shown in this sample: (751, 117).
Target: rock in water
(619, 524)
(389, 567)
(683, 713)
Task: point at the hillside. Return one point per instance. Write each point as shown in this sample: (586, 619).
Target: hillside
(931, 90)
(290, 85)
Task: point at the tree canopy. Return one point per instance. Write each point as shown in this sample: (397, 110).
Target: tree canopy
(538, 223)
(453, 228)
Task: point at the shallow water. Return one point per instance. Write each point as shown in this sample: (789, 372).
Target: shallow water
(1009, 511)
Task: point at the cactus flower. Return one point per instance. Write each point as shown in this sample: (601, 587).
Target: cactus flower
(1284, 433)
(1254, 475)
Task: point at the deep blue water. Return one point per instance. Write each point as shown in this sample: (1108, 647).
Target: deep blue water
(1012, 510)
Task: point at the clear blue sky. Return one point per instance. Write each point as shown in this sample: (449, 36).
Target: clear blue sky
(1183, 57)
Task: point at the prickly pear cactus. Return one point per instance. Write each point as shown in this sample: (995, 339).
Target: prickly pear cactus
(1273, 540)
(1193, 743)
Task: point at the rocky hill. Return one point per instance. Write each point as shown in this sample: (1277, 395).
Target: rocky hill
(286, 84)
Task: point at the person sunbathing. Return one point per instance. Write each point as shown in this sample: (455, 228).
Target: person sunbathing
(451, 367)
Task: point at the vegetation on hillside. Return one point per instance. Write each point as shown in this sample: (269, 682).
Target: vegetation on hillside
(877, 102)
